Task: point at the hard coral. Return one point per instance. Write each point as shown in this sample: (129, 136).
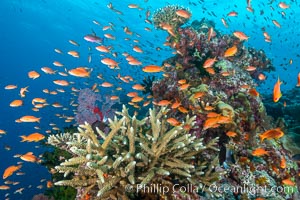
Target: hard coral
(167, 15)
(137, 153)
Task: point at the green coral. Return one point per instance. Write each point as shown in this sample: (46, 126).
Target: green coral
(147, 151)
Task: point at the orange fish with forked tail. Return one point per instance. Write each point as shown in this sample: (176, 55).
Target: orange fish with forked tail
(34, 137)
(10, 170)
(259, 152)
(276, 91)
(230, 51)
(271, 134)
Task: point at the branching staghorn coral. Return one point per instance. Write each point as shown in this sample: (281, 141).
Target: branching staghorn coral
(136, 152)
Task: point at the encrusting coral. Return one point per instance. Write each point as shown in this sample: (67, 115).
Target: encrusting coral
(137, 153)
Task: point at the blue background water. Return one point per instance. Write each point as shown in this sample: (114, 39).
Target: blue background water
(31, 29)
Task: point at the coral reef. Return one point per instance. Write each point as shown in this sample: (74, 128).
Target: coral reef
(204, 129)
(137, 153)
(221, 93)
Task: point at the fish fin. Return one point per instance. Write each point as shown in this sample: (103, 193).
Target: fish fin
(23, 138)
(261, 138)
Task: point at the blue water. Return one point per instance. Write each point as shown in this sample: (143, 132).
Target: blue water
(32, 29)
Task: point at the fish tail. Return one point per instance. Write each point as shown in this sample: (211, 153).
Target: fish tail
(261, 138)
(23, 138)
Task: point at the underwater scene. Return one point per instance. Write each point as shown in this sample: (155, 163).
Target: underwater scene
(150, 99)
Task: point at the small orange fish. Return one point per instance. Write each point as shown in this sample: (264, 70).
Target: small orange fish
(57, 64)
(183, 13)
(75, 54)
(103, 49)
(173, 121)
(182, 109)
(49, 184)
(106, 84)
(184, 86)
(113, 98)
(250, 68)
(259, 152)
(276, 23)
(163, 103)
(137, 99)
(33, 74)
(29, 157)
(10, 87)
(298, 82)
(110, 62)
(288, 181)
(175, 105)
(34, 137)
(283, 163)
(271, 134)
(230, 51)
(276, 91)
(253, 92)
(210, 33)
(132, 94)
(10, 170)
(198, 95)
(138, 87)
(240, 35)
(152, 69)
(4, 187)
(261, 77)
(209, 62)
(137, 49)
(16, 103)
(23, 90)
(29, 118)
(283, 5)
(231, 134)
(79, 72)
(48, 70)
(224, 22)
(61, 82)
(232, 14)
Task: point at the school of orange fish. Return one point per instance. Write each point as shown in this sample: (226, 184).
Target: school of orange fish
(109, 56)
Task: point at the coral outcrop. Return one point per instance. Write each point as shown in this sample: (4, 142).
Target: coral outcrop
(138, 154)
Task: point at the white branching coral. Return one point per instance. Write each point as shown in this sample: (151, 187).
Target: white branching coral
(135, 152)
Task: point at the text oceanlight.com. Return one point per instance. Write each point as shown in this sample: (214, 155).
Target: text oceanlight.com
(162, 189)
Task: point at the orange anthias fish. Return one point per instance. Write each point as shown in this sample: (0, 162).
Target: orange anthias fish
(259, 152)
(152, 69)
(242, 36)
(173, 121)
(29, 157)
(79, 72)
(288, 181)
(271, 134)
(298, 83)
(29, 118)
(10, 170)
(34, 137)
(230, 51)
(183, 13)
(276, 91)
(209, 62)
